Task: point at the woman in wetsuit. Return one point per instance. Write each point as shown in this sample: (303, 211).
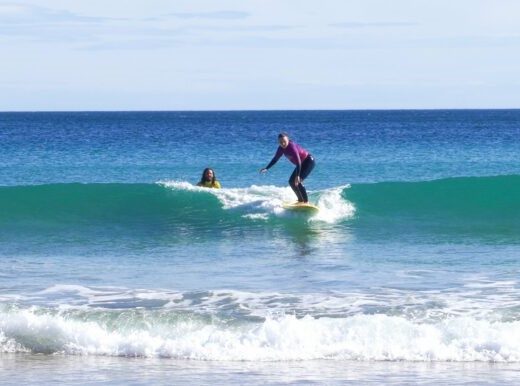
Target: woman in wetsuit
(298, 156)
(209, 179)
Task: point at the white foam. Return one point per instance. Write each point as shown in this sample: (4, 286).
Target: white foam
(359, 337)
(426, 306)
(9, 345)
(261, 202)
(181, 185)
(256, 216)
(333, 208)
(69, 288)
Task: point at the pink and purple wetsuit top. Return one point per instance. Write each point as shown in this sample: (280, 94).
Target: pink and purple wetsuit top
(294, 152)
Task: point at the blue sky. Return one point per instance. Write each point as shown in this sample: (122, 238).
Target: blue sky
(234, 55)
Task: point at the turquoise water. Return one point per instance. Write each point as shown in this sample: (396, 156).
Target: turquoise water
(108, 248)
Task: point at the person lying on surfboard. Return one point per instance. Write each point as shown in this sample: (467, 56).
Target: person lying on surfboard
(298, 156)
(209, 179)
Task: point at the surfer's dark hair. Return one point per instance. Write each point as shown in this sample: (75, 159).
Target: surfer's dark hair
(283, 134)
(203, 178)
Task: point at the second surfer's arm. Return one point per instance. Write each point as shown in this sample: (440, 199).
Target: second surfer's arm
(276, 157)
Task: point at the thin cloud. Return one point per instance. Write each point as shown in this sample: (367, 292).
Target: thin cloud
(224, 15)
(90, 34)
(133, 44)
(472, 41)
(13, 13)
(380, 24)
(251, 28)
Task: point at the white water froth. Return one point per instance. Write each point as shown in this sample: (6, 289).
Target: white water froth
(333, 207)
(359, 337)
(492, 303)
(260, 202)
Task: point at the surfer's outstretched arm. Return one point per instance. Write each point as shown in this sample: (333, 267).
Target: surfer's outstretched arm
(275, 159)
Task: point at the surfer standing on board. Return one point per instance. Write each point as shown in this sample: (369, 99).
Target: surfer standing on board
(301, 158)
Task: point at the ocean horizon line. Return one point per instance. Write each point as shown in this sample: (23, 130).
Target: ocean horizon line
(265, 110)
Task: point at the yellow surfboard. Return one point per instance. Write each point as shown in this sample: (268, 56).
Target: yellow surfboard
(301, 207)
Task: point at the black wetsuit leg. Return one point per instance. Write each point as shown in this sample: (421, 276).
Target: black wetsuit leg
(296, 189)
(306, 169)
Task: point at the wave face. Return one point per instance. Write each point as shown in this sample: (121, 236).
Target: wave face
(133, 205)
(484, 207)
(476, 206)
(472, 197)
(166, 207)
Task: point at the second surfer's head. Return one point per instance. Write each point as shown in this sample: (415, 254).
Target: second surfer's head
(283, 139)
(208, 175)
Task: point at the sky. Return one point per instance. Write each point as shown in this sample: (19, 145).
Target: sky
(62, 55)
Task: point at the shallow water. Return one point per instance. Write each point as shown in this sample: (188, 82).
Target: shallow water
(23, 368)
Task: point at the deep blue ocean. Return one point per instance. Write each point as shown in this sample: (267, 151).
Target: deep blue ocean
(111, 256)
